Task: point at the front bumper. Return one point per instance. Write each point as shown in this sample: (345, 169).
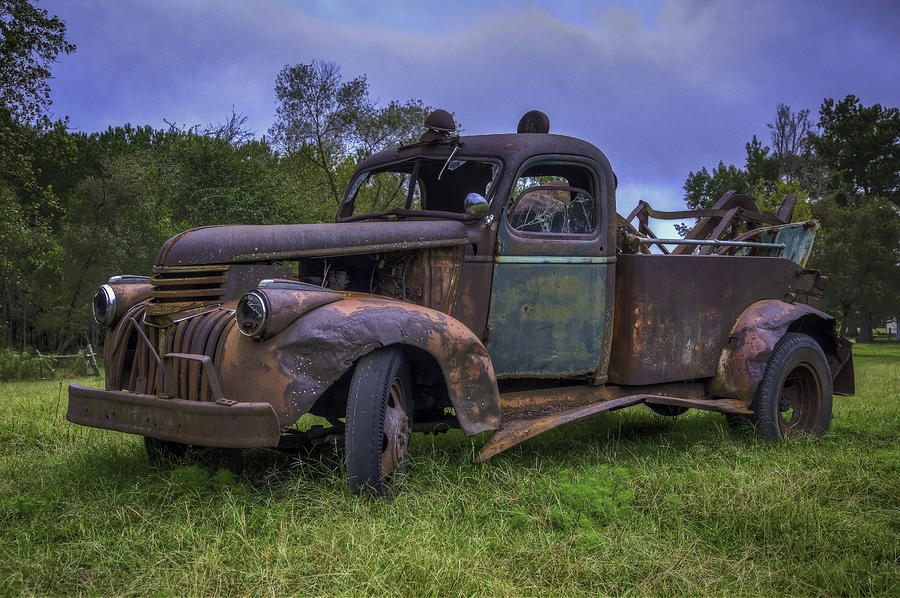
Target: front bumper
(203, 423)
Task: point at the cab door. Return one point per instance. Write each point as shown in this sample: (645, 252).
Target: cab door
(552, 294)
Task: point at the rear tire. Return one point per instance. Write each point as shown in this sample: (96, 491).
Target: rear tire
(379, 422)
(795, 394)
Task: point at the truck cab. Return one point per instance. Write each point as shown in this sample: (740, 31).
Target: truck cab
(482, 282)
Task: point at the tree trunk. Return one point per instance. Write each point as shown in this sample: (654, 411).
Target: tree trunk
(852, 323)
(865, 331)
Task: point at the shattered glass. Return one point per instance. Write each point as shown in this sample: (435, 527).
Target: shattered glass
(549, 209)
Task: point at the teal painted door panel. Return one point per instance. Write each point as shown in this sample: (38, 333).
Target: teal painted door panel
(547, 316)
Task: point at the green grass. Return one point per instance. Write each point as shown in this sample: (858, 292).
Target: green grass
(624, 503)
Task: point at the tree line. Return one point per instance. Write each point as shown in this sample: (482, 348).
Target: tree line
(77, 207)
(845, 168)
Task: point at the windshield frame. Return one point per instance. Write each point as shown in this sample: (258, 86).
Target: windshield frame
(345, 211)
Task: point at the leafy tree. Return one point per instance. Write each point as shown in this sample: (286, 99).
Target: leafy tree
(331, 124)
(76, 208)
(858, 153)
(846, 174)
(29, 210)
(768, 196)
(859, 148)
(317, 115)
(702, 189)
(30, 41)
(859, 249)
(768, 174)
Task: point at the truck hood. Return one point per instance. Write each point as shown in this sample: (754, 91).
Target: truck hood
(245, 243)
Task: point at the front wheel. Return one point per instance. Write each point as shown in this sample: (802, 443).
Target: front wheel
(379, 421)
(795, 394)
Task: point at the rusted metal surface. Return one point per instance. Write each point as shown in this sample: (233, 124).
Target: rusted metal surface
(243, 243)
(840, 362)
(433, 278)
(754, 335)
(190, 422)
(475, 281)
(737, 208)
(514, 432)
(529, 413)
(288, 301)
(294, 368)
(559, 306)
(673, 314)
(555, 287)
(528, 404)
(129, 293)
(718, 405)
(132, 352)
(179, 288)
(718, 227)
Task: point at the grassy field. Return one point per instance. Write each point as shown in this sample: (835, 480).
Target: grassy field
(625, 503)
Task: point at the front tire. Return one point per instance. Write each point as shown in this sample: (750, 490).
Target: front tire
(795, 394)
(379, 422)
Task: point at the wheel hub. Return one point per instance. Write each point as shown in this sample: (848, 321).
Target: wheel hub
(784, 403)
(396, 436)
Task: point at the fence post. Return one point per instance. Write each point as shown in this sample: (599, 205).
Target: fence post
(92, 359)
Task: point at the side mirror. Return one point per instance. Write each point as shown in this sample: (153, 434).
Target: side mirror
(476, 205)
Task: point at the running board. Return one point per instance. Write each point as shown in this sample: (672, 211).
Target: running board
(515, 431)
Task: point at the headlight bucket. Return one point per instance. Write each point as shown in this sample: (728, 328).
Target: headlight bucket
(252, 314)
(121, 293)
(275, 304)
(103, 305)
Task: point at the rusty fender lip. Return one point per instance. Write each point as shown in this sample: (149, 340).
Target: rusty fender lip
(240, 425)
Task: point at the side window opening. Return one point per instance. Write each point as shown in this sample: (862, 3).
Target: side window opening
(555, 199)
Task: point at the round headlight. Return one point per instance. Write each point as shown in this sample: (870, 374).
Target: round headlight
(251, 314)
(104, 305)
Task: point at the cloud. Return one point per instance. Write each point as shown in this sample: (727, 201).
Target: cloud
(660, 96)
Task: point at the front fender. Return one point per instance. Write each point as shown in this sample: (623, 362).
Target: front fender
(753, 338)
(311, 354)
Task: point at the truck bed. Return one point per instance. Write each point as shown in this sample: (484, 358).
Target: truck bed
(673, 313)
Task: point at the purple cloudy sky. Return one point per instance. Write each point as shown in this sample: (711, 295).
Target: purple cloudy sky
(661, 86)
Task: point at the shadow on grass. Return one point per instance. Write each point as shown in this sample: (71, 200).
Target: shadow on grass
(635, 433)
(104, 462)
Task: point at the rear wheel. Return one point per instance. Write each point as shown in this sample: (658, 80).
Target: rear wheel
(379, 422)
(795, 394)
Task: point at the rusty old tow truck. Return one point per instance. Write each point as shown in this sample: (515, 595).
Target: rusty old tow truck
(482, 282)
